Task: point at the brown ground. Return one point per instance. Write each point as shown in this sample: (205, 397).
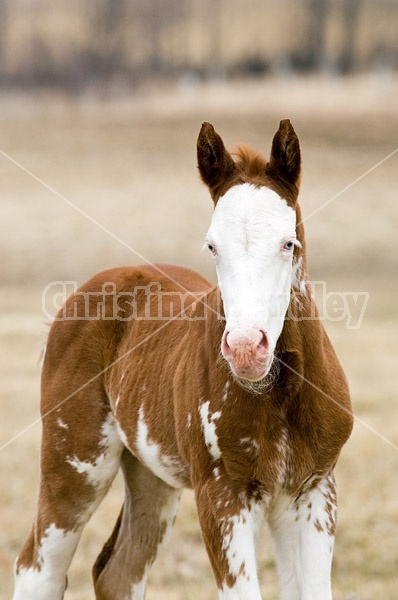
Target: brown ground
(130, 165)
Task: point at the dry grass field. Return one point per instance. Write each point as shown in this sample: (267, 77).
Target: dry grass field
(129, 165)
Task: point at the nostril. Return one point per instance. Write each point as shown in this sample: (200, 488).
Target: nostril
(225, 347)
(263, 345)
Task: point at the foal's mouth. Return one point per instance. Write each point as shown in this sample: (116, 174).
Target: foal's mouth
(252, 373)
(261, 384)
(250, 377)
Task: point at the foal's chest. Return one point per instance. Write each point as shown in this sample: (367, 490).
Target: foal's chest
(248, 447)
(264, 459)
(260, 446)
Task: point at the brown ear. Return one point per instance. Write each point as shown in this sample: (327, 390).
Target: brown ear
(285, 161)
(214, 162)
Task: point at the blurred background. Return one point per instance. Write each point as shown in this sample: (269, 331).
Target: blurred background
(101, 102)
(116, 45)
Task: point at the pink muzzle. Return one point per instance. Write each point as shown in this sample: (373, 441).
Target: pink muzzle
(247, 352)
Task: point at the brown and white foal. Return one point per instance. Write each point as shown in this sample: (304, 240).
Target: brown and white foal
(134, 378)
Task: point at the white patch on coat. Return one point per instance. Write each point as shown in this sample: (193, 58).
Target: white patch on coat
(62, 424)
(47, 579)
(249, 228)
(297, 274)
(165, 467)
(122, 435)
(251, 444)
(189, 420)
(302, 532)
(303, 286)
(138, 588)
(285, 533)
(239, 534)
(209, 429)
(102, 470)
(225, 394)
(299, 281)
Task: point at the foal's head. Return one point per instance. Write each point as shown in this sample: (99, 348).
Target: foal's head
(252, 238)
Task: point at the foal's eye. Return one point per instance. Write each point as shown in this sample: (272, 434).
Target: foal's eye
(212, 249)
(288, 246)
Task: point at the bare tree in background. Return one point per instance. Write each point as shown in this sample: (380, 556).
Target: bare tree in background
(157, 19)
(350, 17)
(106, 42)
(116, 43)
(214, 14)
(315, 57)
(3, 33)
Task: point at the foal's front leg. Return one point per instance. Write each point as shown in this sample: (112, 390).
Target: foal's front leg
(230, 520)
(303, 531)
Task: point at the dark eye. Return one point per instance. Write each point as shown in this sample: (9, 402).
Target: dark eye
(288, 246)
(212, 249)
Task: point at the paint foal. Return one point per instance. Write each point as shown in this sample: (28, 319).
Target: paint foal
(255, 431)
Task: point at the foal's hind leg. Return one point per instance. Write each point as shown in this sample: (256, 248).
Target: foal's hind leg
(80, 457)
(146, 520)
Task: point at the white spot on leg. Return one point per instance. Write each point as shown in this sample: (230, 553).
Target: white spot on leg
(322, 509)
(303, 533)
(239, 532)
(139, 587)
(285, 531)
(101, 471)
(47, 579)
(209, 429)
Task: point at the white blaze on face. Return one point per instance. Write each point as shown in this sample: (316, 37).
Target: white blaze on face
(252, 237)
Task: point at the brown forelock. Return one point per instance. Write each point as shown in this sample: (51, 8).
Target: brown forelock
(252, 167)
